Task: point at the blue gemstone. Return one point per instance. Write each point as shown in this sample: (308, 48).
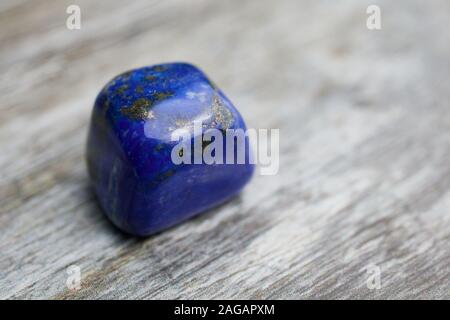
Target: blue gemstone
(131, 140)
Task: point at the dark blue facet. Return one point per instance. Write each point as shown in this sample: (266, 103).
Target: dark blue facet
(129, 147)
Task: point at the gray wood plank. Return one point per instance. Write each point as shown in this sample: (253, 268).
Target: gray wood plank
(364, 178)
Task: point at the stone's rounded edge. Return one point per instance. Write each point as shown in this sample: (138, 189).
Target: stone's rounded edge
(179, 64)
(162, 66)
(109, 172)
(145, 229)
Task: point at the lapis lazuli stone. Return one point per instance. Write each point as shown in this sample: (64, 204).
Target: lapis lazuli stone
(130, 142)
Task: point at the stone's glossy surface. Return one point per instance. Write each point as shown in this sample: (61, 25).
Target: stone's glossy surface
(129, 147)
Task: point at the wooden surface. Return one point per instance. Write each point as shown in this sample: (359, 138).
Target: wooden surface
(364, 119)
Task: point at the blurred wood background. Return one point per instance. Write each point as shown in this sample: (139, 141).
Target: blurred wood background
(364, 178)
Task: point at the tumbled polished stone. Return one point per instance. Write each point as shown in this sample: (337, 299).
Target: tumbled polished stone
(130, 141)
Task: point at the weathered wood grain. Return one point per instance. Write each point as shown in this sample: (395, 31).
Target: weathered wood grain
(364, 120)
